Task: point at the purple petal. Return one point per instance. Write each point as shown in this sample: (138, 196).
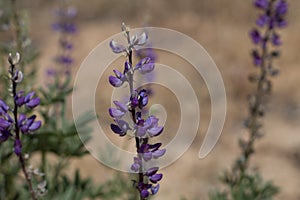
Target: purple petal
(261, 4)
(155, 146)
(281, 7)
(154, 189)
(158, 153)
(4, 135)
(33, 103)
(140, 131)
(3, 106)
(281, 23)
(123, 125)
(147, 156)
(135, 167)
(116, 129)
(145, 193)
(4, 124)
(255, 36)
(114, 81)
(127, 66)
(134, 102)
(155, 178)
(142, 62)
(31, 119)
(35, 126)
(116, 48)
(115, 113)
(121, 106)
(151, 171)
(262, 20)
(146, 68)
(22, 117)
(29, 96)
(256, 58)
(155, 131)
(276, 39)
(118, 74)
(24, 128)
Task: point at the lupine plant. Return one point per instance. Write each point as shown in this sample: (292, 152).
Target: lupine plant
(15, 124)
(244, 183)
(139, 126)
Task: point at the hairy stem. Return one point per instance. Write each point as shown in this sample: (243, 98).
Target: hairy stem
(17, 132)
(254, 126)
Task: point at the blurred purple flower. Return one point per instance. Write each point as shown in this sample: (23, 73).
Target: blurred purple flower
(255, 35)
(261, 3)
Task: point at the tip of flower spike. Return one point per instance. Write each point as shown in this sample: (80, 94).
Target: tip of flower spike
(14, 59)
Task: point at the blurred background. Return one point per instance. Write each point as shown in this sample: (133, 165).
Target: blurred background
(222, 28)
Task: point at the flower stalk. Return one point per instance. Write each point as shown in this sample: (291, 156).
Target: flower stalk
(271, 19)
(12, 127)
(143, 128)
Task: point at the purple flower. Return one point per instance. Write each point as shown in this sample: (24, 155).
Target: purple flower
(158, 153)
(28, 100)
(121, 127)
(145, 66)
(118, 79)
(20, 99)
(151, 171)
(154, 189)
(116, 48)
(64, 27)
(255, 36)
(257, 60)
(31, 102)
(142, 98)
(118, 112)
(145, 193)
(281, 23)
(262, 20)
(281, 7)
(18, 147)
(51, 72)
(155, 178)
(64, 60)
(28, 125)
(4, 135)
(147, 53)
(4, 124)
(136, 164)
(3, 107)
(150, 126)
(66, 45)
(276, 39)
(261, 4)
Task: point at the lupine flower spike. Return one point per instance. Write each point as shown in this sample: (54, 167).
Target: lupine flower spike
(13, 124)
(142, 128)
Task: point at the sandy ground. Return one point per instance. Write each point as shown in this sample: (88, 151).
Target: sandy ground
(222, 28)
